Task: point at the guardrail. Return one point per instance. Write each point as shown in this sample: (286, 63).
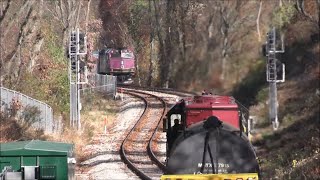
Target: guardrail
(43, 113)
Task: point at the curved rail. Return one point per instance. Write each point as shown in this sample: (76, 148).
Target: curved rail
(149, 149)
(123, 154)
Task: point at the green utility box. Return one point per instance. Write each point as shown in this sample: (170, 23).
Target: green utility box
(36, 160)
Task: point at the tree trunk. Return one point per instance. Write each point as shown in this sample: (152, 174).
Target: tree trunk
(138, 69)
(66, 12)
(258, 21)
(38, 41)
(162, 45)
(78, 14)
(182, 30)
(4, 10)
(150, 72)
(224, 59)
(149, 79)
(166, 70)
(24, 8)
(87, 16)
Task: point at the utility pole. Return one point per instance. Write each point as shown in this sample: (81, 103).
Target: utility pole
(275, 73)
(77, 48)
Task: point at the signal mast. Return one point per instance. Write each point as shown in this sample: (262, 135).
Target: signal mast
(275, 72)
(77, 48)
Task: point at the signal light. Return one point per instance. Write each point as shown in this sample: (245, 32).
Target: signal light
(265, 50)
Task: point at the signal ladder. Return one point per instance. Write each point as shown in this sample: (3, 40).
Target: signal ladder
(73, 52)
(272, 61)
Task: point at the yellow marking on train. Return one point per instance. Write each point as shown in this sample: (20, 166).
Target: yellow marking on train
(245, 176)
(244, 128)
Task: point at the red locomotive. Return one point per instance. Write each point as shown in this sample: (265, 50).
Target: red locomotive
(208, 135)
(118, 62)
(223, 107)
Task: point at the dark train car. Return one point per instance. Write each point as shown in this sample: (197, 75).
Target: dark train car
(103, 64)
(206, 135)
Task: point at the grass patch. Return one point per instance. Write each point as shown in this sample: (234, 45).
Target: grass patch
(294, 144)
(13, 130)
(96, 108)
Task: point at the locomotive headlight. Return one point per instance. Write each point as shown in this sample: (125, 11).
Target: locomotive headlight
(122, 65)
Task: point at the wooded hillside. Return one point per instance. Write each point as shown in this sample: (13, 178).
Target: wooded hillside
(198, 44)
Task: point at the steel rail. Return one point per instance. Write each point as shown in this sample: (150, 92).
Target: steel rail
(150, 153)
(149, 147)
(122, 152)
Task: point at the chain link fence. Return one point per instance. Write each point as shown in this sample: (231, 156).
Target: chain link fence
(39, 114)
(28, 110)
(98, 86)
(105, 84)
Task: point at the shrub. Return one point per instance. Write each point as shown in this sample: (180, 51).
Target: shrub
(283, 15)
(15, 106)
(30, 115)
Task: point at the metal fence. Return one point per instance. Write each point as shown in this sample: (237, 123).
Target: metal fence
(105, 84)
(43, 117)
(96, 83)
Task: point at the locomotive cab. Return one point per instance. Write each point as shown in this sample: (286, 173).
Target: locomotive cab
(174, 128)
(174, 124)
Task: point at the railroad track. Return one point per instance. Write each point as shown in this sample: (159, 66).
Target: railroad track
(157, 89)
(136, 149)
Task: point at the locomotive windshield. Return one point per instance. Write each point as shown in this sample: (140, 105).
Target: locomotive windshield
(173, 117)
(126, 54)
(115, 53)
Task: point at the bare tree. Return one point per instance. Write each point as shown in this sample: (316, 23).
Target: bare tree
(151, 42)
(24, 8)
(67, 13)
(162, 45)
(231, 22)
(17, 35)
